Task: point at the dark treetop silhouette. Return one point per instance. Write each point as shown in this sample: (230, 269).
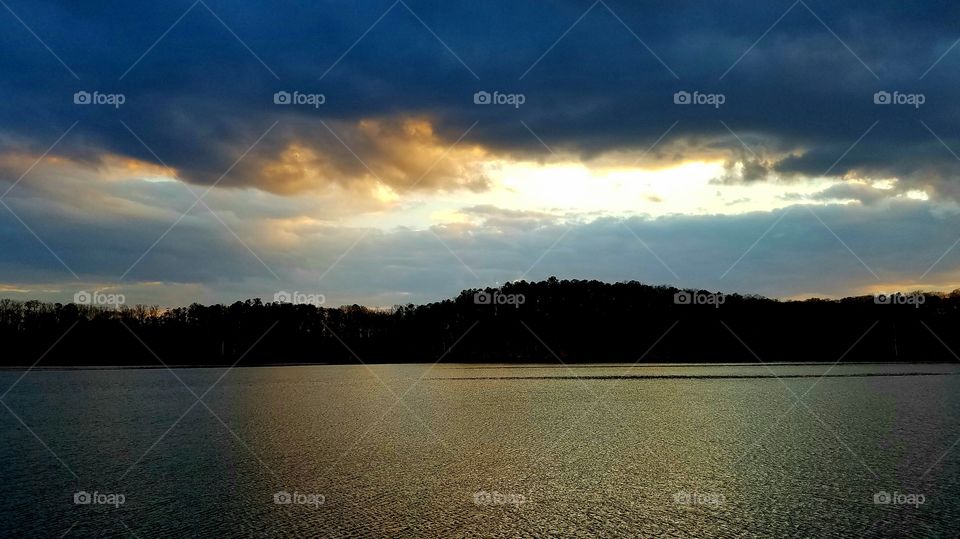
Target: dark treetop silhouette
(548, 321)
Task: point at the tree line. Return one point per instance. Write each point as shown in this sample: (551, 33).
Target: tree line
(551, 321)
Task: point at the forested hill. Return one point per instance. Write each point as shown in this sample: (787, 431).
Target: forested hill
(543, 322)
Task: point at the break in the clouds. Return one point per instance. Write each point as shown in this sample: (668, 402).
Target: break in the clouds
(385, 148)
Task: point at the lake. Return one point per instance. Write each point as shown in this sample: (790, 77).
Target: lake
(483, 451)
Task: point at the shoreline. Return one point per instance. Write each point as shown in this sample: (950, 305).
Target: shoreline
(476, 366)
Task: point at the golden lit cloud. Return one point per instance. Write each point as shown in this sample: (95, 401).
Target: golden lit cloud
(373, 157)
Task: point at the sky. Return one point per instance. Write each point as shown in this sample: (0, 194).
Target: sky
(399, 151)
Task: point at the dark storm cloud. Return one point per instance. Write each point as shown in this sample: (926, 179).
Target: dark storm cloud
(200, 97)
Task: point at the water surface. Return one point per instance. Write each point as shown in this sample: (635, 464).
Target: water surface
(484, 451)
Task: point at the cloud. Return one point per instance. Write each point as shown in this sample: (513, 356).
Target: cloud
(252, 247)
(399, 123)
(799, 97)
